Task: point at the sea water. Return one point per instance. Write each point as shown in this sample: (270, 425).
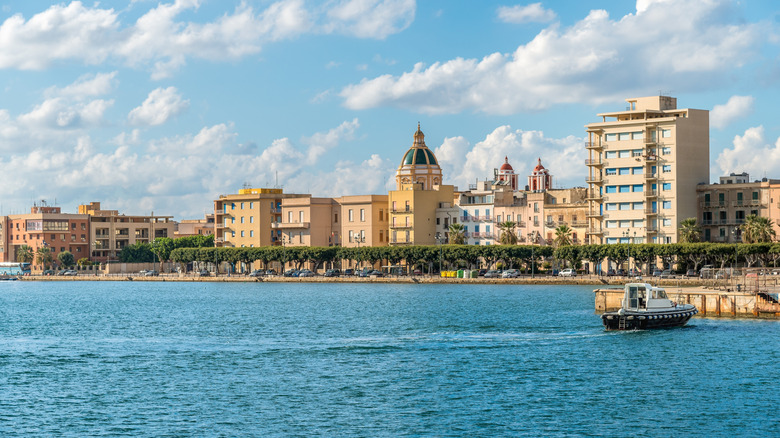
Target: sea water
(368, 360)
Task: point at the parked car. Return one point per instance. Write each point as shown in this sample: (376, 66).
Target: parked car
(257, 273)
(510, 273)
(667, 273)
(204, 273)
(270, 272)
(621, 273)
(482, 272)
(568, 273)
(48, 272)
(290, 273)
(611, 273)
(151, 273)
(331, 273)
(375, 273)
(657, 272)
(691, 273)
(493, 273)
(634, 272)
(349, 272)
(305, 273)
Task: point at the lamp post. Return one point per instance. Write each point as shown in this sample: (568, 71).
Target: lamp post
(735, 234)
(627, 234)
(358, 238)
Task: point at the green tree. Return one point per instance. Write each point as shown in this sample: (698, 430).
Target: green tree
(457, 234)
(162, 247)
(757, 229)
(562, 236)
(66, 259)
(508, 235)
(689, 231)
(25, 254)
(43, 257)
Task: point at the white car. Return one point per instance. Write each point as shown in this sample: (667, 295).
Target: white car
(510, 273)
(568, 273)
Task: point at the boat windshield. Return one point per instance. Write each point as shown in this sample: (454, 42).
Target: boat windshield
(659, 294)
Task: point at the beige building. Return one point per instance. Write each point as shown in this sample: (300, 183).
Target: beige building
(723, 207)
(643, 165)
(365, 220)
(247, 219)
(111, 231)
(195, 227)
(418, 194)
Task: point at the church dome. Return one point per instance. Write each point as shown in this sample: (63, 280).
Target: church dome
(419, 154)
(506, 165)
(539, 166)
(419, 165)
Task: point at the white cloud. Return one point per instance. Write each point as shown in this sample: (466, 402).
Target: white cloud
(159, 41)
(87, 85)
(694, 46)
(533, 13)
(737, 107)
(751, 153)
(463, 164)
(159, 107)
(321, 142)
(59, 113)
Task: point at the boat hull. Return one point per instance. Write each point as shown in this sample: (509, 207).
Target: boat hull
(633, 320)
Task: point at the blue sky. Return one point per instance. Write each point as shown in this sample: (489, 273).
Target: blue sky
(149, 106)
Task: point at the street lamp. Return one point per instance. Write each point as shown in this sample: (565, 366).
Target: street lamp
(627, 234)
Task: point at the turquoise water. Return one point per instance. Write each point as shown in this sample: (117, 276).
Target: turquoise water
(260, 359)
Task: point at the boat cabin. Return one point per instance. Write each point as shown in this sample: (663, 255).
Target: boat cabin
(643, 296)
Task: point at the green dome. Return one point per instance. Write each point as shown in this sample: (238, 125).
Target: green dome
(421, 156)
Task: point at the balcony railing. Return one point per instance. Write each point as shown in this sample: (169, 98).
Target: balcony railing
(593, 162)
(746, 202)
(594, 179)
(594, 231)
(594, 145)
(651, 193)
(713, 204)
(651, 211)
(651, 175)
(404, 225)
(593, 194)
(289, 225)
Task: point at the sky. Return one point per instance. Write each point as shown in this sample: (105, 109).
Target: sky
(161, 106)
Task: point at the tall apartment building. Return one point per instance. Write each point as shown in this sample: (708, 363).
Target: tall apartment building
(643, 164)
(111, 231)
(44, 226)
(247, 219)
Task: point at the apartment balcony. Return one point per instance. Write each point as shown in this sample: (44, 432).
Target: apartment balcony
(594, 145)
(651, 193)
(480, 234)
(401, 226)
(594, 179)
(276, 211)
(651, 176)
(290, 226)
(648, 139)
(402, 210)
(594, 231)
(651, 211)
(400, 242)
(651, 230)
(594, 215)
(593, 162)
(713, 204)
(593, 195)
(650, 158)
(579, 224)
(747, 203)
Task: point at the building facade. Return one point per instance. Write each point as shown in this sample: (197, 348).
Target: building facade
(643, 166)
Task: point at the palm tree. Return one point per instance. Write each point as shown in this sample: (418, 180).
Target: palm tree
(508, 236)
(690, 231)
(562, 236)
(25, 254)
(757, 229)
(43, 257)
(457, 234)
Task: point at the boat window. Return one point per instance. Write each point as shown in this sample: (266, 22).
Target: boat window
(659, 293)
(632, 297)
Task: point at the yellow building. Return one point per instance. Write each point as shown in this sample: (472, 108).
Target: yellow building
(418, 194)
(247, 219)
(643, 166)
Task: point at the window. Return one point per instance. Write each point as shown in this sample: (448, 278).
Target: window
(300, 216)
(251, 219)
(289, 217)
(233, 234)
(624, 171)
(625, 206)
(233, 206)
(610, 171)
(362, 215)
(242, 219)
(242, 233)
(624, 154)
(242, 205)
(612, 224)
(636, 153)
(611, 240)
(666, 187)
(336, 218)
(667, 222)
(624, 136)
(755, 196)
(625, 189)
(251, 233)
(639, 223)
(638, 135)
(610, 154)
(666, 205)
(666, 133)
(611, 206)
(381, 215)
(610, 137)
(232, 220)
(611, 189)
(625, 224)
(637, 188)
(638, 170)
(637, 206)
(351, 215)
(251, 205)
(667, 168)
(666, 151)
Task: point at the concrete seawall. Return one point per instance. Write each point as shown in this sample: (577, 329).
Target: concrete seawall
(711, 303)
